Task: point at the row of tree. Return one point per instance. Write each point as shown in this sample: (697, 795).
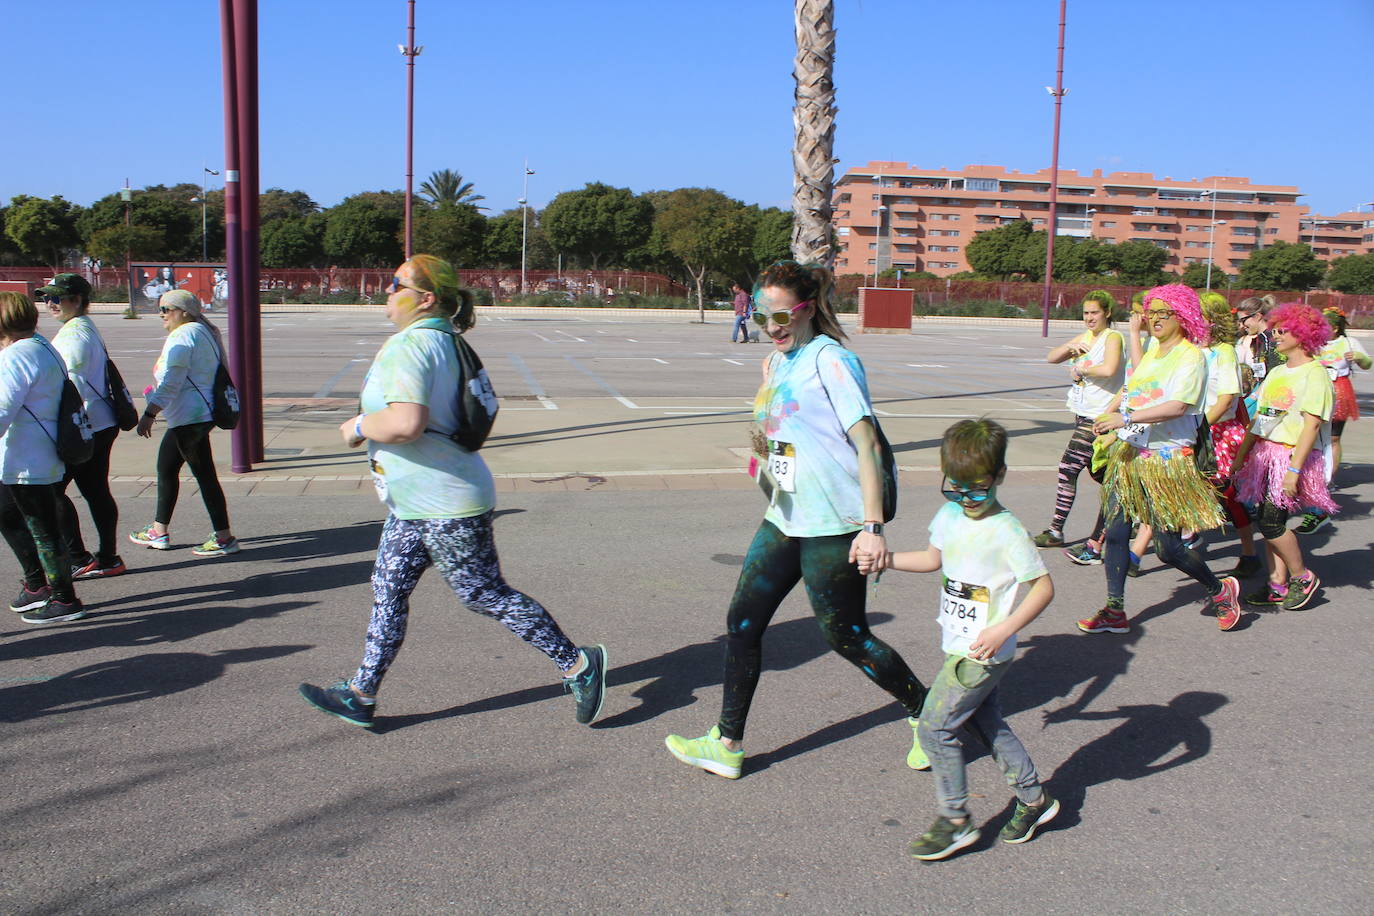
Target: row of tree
(695, 234)
(1015, 251)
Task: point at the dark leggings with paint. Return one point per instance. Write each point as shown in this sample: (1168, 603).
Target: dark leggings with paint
(1168, 547)
(1076, 456)
(837, 591)
(28, 518)
(189, 444)
(93, 480)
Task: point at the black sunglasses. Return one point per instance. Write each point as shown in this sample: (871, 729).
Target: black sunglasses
(960, 494)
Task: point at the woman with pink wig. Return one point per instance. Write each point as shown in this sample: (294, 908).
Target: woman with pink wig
(1278, 466)
(1151, 476)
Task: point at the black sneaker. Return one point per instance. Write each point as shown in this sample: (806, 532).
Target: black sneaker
(943, 839)
(30, 598)
(341, 701)
(55, 612)
(81, 562)
(589, 687)
(1247, 566)
(1027, 818)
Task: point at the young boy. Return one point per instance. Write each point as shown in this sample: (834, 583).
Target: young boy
(984, 554)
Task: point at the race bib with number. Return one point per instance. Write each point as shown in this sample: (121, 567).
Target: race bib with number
(782, 465)
(378, 479)
(963, 611)
(1136, 434)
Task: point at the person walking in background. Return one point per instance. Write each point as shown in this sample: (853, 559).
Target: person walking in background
(1279, 468)
(824, 480)
(984, 555)
(439, 497)
(743, 309)
(185, 375)
(1341, 356)
(68, 297)
(31, 377)
(1097, 367)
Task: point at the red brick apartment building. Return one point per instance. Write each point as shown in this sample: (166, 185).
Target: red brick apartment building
(892, 214)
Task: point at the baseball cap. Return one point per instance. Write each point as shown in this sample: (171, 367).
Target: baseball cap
(66, 285)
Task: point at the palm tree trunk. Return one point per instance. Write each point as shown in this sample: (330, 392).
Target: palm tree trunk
(814, 118)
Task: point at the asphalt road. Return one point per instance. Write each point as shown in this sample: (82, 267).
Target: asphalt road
(160, 761)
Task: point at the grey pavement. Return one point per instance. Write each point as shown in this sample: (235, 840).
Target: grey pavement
(160, 761)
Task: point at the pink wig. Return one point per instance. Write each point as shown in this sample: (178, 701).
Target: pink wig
(1184, 302)
(1304, 322)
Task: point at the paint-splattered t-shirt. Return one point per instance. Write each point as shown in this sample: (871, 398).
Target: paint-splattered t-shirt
(83, 350)
(810, 397)
(982, 564)
(432, 477)
(1286, 394)
(1223, 377)
(1090, 397)
(1179, 375)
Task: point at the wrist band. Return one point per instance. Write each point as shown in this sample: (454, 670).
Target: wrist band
(358, 427)
(1295, 470)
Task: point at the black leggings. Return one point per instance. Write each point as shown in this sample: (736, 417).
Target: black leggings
(1076, 456)
(28, 519)
(1168, 547)
(93, 480)
(189, 444)
(838, 593)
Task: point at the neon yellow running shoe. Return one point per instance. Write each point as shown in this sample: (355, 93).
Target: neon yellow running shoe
(709, 753)
(916, 758)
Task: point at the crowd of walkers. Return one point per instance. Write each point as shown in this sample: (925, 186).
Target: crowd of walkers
(1196, 419)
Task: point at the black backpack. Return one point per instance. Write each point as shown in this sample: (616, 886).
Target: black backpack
(116, 393)
(75, 439)
(477, 405)
(224, 409)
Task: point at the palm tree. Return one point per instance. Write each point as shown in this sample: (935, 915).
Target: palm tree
(814, 118)
(447, 187)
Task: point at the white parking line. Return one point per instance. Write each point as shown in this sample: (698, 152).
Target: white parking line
(654, 358)
(735, 361)
(601, 383)
(530, 382)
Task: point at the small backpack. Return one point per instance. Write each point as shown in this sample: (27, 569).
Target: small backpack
(477, 404)
(75, 439)
(116, 393)
(224, 408)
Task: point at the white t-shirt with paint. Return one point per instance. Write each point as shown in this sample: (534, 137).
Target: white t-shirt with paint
(31, 375)
(83, 349)
(1091, 396)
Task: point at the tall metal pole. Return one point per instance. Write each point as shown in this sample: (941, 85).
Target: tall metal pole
(204, 225)
(410, 52)
(246, 72)
(240, 451)
(524, 222)
(1211, 236)
(1053, 226)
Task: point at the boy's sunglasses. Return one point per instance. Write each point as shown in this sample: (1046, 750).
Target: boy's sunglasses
(781, 319)
(960, 494)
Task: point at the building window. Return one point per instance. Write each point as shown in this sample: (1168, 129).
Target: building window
(1009, 205)
(980, 184)
(1037, 222)
(1108, 224)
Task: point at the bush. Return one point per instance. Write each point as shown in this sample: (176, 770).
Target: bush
(624, 300)
(110, 294)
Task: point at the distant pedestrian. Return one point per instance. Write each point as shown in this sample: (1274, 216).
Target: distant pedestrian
(68, 297)
(185, 390)
(744, 307)
(984, 556)
(439, 497)
(31, 377)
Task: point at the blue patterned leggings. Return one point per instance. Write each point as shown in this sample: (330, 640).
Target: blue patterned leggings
(464, 550)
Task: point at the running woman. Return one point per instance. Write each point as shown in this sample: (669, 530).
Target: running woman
(1341, 355)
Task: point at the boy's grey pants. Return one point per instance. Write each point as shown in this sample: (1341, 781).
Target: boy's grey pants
(965, 693)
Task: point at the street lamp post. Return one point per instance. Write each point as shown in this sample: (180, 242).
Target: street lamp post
(1211, 229)
(204, 225)
(524, 222)
(410, 52)
(1053, 226)
(878, 253)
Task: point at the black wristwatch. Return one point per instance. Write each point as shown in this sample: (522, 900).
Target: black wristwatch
(873, 527)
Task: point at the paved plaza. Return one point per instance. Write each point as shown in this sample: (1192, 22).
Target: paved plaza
(161, 761)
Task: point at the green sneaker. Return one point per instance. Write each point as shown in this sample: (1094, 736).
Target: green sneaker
(709, 753)
(1311, 521)
(916, 758)
(1048, 538)
(1027, 818)
(943, 839)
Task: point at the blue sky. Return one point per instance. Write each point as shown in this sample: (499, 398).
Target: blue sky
(660, 95)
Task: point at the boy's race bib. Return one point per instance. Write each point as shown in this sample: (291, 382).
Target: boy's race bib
(964, 610)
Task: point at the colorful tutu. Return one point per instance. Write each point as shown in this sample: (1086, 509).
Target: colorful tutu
(1226, 439)
(1345, 406)
(1165, 493)
(1261, 479)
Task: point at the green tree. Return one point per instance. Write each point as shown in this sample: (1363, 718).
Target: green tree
(167, 210)
(292, 241)
(1140, 263)
(42, 229)
(275, 204)
(772, 239)
(9, 252)
(706, 231)
(453, 232)
(598, 224)
(1283, 266)
(1195, 275)
(365, 230)
(1006, 253)
(501, 247)
(448, 187)
(1352, 274)
(139, 243)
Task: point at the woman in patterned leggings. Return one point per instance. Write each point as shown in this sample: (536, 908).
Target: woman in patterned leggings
(1096, 368)
(439, 495)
